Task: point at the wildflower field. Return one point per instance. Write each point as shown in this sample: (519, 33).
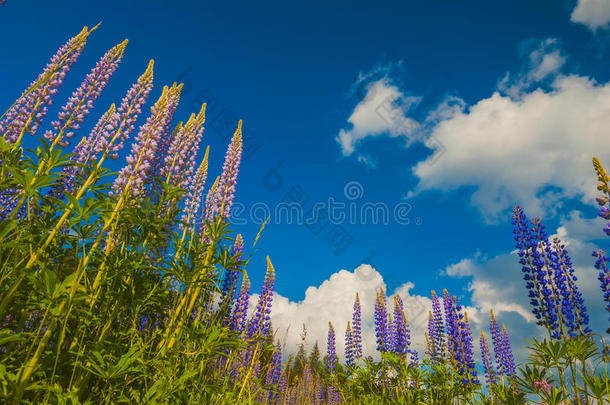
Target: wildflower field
(132, 287)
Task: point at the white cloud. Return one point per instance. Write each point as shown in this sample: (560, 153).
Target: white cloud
(382, 112)
(534, 151)
(544, 61)
(332, 301)
(595, 14)
(522, 144)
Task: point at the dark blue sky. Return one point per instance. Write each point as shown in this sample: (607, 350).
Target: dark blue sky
(289, 71)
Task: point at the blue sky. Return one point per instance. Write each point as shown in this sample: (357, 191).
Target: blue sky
(515, 92)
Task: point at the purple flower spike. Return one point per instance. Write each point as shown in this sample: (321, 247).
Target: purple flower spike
(575, 320)
(81, 102)
(439, 332)
(497, 341)
(195, 190)
(604, 187)
(28, 111)
(83, 153)
(111, 131)
(357, 331)
(223, 200)
(331, 354)
(459, 340)
(508, 363)
(182, 152)
(260, 323)
(601, 263)
(131, 179)
(400, 329)
(273, 375)
(349, 346)
(241, 306)
(490, 373)
(381, 322)
(230, 280)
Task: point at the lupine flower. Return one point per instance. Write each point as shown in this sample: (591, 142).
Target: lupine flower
(549, 274)
(574, 315)
(400, 329)
(210, 202)
(604, 187)
(110, 136)
(497, 341)
(357, 330)
(333, 395)
(111, 131)
(381, 322)
(534, 274)
(508, 363)
(131, 178)
(604, 276)
(331, 354)
(80, 103)
(182, 152)
(28, 111)
(227, 290)
(195, 189)
(165, 141)
(431, 350)
(259, 324)
(241, 306)
(273, 375)
(439, 331)
(283, 388)
(221, 204)
(349, 346)
(452, 325)
(414, 357)
(459, 337)
(490, 372)
(83, 152)
(467, 355)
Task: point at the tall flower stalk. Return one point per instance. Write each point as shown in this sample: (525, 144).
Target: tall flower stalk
(81, 102)
(357, 330)
(27, 113)
(220, 206)
(331, 353)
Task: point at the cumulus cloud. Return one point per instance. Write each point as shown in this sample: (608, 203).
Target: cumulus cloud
(525, 143)
(543, 60)
(332, 301)
(535, 151)
(382, 112)
(595, 14)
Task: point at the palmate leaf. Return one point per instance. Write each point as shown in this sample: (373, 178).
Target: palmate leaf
(104, 366)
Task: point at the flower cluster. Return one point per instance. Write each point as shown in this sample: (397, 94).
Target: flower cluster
(27, 113)
(221, 201)
(331, 353)
(459, 339)
(73, 113)
(381, 322)
(436, 330)
(549, 275)
(133, 177)
(260, 323)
